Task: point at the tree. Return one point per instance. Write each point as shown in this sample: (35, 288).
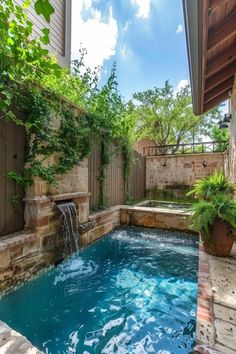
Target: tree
(166, 116)
(221, 135)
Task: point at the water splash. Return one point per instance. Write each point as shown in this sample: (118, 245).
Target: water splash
(69, 221)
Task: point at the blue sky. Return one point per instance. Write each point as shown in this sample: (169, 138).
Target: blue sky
(145, 37)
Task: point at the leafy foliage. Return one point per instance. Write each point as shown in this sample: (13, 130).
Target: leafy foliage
(214, 201)
(166, 116)
(207, 187)
(22, 57)
(44, 8)
(205, 213)
(61, 133)
(24, 60)
(218, 134)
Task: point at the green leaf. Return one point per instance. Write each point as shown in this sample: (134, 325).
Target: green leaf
(46, 31)
(44, 8)
(44, 39)
(26, 4)
(10, 41)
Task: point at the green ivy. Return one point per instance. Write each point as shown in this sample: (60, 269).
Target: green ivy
(53, 126)
(51, 131)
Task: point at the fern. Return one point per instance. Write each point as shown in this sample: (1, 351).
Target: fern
(213, 185)
(203, 216)
(205, 213)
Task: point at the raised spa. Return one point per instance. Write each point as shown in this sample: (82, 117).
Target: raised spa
(165, 205)
(133, 291)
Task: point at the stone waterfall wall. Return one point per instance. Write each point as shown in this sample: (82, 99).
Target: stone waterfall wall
(24, 254)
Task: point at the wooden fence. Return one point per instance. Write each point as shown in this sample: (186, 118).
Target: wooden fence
(11, 158)
(114, 186)
(137, 180)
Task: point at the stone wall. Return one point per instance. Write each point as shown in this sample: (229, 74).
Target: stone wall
(155, 218)
(232, 143)
(104, 222)
(40, 244)
(175, 174)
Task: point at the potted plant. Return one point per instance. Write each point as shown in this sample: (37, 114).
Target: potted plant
(214, 214)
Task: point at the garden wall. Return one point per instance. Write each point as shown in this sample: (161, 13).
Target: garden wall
(173, 175)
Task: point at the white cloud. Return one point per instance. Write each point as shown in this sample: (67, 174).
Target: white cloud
(182, 84)
(97, 35)
(143, 8)
(125, 52)
(179, 29)
(126, 26)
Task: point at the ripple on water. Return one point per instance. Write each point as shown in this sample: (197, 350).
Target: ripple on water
(134, 291)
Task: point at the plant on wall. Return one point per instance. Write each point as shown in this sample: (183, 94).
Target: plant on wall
(57, 135)
(22, 58)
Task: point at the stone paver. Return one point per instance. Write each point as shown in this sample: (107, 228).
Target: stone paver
(12, 342)
(216, 318)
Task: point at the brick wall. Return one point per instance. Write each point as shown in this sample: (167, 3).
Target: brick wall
(177, 173)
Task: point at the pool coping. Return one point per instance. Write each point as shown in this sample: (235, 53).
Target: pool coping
(12, 342)
(216, 314)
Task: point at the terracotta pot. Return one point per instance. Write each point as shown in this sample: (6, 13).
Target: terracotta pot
(221, 241)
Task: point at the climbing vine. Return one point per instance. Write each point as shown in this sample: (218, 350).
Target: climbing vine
(32, 84)
(52, 133)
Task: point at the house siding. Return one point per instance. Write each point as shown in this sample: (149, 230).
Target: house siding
(60, 28)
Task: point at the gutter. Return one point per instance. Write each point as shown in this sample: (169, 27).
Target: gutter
(192, 19)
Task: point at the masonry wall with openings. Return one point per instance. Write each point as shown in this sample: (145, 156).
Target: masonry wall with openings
(175, 174)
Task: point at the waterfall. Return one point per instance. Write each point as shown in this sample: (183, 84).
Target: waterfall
(69, 218)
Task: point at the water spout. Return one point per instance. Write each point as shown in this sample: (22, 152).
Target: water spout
(69, 222)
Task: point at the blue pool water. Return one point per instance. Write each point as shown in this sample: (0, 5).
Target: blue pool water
(134, 291)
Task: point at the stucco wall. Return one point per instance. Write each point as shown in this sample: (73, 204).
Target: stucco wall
(232, 143)
(178, 173)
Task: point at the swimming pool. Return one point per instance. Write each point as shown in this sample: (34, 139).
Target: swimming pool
(133, 291)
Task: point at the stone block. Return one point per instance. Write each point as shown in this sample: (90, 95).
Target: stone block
(225, 314)
(225, 333)
(31, 247)
(5, 259)
(83, 212)
(85, 239)
(224, 350)
(50, 229)
(123, 217)
(50, 243)
(16, 252)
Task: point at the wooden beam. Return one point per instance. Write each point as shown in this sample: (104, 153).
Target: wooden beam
(214, 4)
(215, 101)
(222, 33)
(222, 60)
(221, 76)
(216, 91)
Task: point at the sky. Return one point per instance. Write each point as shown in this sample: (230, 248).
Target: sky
(145, 38)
